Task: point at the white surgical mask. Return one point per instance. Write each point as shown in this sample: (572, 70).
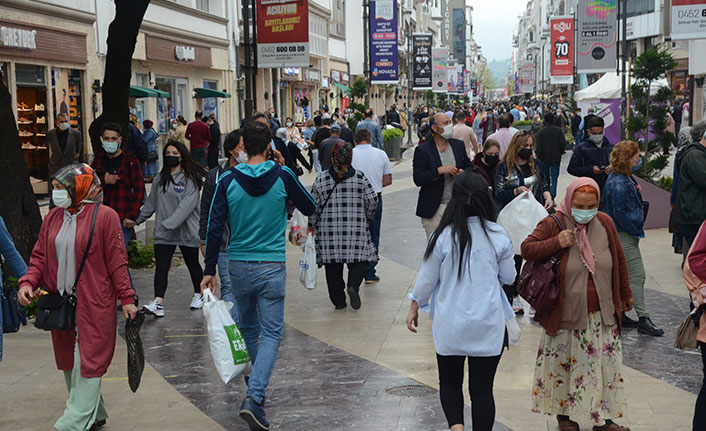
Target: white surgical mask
(583, 216)
(448, 131)
(175, 125)
(61, 198)
(242, 157)
(63, 126)
(596, 139)
(289, 124)
(110, 147)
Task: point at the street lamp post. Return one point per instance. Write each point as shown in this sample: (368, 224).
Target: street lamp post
(410, 79)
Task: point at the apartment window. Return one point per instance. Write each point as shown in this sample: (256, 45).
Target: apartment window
(531, 36)
(338, 18)
(640, 7)
(202, 5)
(318, 36)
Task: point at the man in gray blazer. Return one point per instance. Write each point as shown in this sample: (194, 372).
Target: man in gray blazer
(65, 144)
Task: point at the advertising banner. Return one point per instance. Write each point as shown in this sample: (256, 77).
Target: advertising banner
(527, 77)
(439, 60)
(383, 42)
(562, 50)
(688, 19)
(421, 65)
(596, 44)
(461, 80)
(282, 33)
(459, 35)
(451, 78)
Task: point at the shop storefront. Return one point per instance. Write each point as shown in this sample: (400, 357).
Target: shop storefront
(288, 78)
(44, 69)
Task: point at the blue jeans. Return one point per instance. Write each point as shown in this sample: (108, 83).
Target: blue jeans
(226, 292)
(127, 234)
(374, 226)
(259, 290)
(200, 155)
(551, 174)
(578, 137)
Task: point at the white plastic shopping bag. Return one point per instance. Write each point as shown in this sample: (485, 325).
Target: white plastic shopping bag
(307, 265)
(227, 344)
(520, 217)
(297, 229)
(511, 325)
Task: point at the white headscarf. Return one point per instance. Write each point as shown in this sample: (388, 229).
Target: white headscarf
(65, 244)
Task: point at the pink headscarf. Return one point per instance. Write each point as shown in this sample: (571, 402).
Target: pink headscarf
(587, 256)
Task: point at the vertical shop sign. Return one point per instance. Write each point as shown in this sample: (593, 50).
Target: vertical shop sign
(383, 42)
(562, 50)
(597, 35)
(527, 77)
(459, 35)
(688, 19)
(421, 67)
(439, 59)
(282, 33)
(451, 78)
(461, 80)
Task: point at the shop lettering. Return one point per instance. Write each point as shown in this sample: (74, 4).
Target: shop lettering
(286, 9)
(18, 38)
(185, 53)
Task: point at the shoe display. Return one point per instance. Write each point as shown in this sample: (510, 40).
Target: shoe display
(628, 322)
(645, 326)
(39, 107)
(355, 298)
(196, 301)
(28, 146)
(25, 133)
(23, 107)
(154, 308)
(41, 134)
(41, 120)
(24, 120)
(254, 415)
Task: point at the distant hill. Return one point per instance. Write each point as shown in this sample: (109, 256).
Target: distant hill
(500, 70)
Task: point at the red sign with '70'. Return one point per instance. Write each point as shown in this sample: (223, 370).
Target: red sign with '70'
(562, 50)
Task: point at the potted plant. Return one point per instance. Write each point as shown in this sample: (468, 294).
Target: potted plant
(393, 142)
(522, 125)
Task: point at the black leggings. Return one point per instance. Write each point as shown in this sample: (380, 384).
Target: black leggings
(510, 289)
(163, 260)
(481, 372)
(700, 411)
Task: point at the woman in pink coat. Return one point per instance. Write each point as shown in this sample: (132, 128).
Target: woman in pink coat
(84, 353)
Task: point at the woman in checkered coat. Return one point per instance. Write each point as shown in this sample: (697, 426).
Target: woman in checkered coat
(346, 202)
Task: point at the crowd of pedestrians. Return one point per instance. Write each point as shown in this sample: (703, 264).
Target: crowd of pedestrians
(232, 201)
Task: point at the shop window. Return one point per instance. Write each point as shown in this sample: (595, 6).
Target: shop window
(640, 7)
(142, 80)
(66, 92)
(32, 123)
(210, 104)
(318, 36)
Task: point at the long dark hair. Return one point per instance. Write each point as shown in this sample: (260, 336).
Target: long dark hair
(191, 168)
(469, 197)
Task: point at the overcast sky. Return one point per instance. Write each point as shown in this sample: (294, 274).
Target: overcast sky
(493, 24)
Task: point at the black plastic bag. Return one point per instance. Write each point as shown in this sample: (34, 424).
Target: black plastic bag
(135, 351)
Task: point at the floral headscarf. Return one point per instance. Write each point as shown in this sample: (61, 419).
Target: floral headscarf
(341, 159)
(82, 183)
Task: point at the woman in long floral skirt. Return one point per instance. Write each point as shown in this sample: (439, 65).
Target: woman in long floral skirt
(578, 373)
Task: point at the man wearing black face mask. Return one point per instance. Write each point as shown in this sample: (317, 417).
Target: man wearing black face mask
(437, 162)
(591, 157)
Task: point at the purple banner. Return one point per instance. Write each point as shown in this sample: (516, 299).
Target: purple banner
(383, 42)
(609, 110)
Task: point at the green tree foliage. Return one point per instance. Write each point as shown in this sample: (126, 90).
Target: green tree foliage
(359, 89)
(648, 120)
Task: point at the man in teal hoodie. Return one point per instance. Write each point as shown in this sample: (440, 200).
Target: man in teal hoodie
(252, 198)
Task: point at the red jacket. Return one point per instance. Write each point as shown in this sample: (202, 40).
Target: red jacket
(198, 133)
(104, 279)
(697, 255)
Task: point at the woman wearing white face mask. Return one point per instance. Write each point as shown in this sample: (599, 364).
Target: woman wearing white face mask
(293, 133)
(578, 371)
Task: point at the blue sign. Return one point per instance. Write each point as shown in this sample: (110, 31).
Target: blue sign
(383, 42)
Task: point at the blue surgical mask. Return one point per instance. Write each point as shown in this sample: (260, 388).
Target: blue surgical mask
(61, 198)
(583, 216)
(110, 147)
(638, 166)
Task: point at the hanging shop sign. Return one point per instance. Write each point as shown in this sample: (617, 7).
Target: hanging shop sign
(527, 77)
(596, 36)
(282, 33)
(459, 34)
(461, 80)
(383, 42)
(451, 78)
(562, 50)
(439, 60)
(688, 19)
(421, 67)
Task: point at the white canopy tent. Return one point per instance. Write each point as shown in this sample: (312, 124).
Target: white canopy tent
(607, 87)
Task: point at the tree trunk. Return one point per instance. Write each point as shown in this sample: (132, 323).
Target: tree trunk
(122, 37)
(18, 206)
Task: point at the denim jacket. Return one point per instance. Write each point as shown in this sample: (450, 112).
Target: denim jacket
(621, 200)
(18, 266)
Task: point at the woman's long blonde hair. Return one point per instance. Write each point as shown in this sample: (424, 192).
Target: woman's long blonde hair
(510, 157)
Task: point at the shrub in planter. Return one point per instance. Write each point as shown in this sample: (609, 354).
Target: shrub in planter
(393, 133)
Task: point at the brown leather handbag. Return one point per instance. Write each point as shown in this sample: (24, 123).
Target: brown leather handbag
(539, 281)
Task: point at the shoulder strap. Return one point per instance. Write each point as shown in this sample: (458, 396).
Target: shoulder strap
(88, 248)
(558, 221)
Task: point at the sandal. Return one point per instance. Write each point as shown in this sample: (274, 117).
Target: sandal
(610, 427)
(568, 425)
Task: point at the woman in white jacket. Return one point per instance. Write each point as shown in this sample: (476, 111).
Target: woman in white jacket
(468, 259)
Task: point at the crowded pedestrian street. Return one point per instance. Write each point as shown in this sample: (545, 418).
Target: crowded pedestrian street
(349, 370)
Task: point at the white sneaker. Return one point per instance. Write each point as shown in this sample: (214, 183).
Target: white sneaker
(197, 301)
(154, 308)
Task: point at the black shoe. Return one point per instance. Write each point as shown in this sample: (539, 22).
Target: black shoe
(647, 327)
(628, 322)
(96, 425)
(341, 307)
(247, 380)
(355, 298)
(373, 279)
(254, 415)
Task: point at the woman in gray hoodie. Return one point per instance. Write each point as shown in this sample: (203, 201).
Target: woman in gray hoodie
(175, 200)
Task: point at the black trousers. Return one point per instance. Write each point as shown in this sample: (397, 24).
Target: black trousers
(336, 284)
(163, 260)
(700, 411)
(509, 289)
(481, 374)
